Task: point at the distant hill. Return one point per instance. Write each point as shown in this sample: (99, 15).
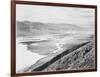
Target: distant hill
(28, 28)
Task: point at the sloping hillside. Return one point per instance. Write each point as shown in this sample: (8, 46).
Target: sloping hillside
(81, 58)
(76, 57)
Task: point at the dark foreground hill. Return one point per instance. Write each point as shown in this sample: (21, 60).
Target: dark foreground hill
(76, 57)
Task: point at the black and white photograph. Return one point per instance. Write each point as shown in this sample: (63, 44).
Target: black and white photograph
(53, 38)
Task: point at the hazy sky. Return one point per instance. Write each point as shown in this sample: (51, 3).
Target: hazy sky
(49, 14)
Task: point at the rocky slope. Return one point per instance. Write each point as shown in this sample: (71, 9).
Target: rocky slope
(81, 58)
(77, 57)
